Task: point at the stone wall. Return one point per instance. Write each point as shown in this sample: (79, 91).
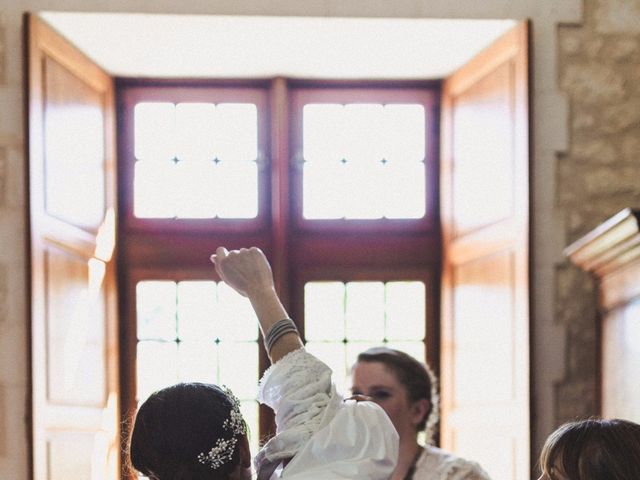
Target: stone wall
(599, 70)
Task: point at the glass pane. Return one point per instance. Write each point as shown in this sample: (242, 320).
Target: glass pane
(154, 189)
(324, 311)
(323, 133)
(156, 310)
(333, 354)
(236, 132)
(249, 410)
(363, 190)
(404, 133)
(405, 190)
(195, 131)
(323, 189)
(236, 189)
(196, 310)
(195, 189)
(405, 305)
(154, 127)
(234, 317)
(355, 348)
(415, 349)
(363, 130)
(156, 367)
(197, 362)
(365, 311)
(239, 368)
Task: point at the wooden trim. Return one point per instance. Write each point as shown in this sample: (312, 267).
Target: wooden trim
(610, 246)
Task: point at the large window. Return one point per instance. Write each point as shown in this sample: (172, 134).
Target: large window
(336, 182)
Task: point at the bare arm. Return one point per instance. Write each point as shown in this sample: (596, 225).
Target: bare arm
(248, 272)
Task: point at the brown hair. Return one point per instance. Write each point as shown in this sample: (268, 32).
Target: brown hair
(417, 378)
(176, 424)
(593, 449)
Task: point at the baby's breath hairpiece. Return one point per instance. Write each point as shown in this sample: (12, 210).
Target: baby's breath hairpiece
(222, 451)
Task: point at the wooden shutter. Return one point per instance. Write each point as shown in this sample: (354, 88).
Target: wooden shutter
(73, 301)
(485, 290)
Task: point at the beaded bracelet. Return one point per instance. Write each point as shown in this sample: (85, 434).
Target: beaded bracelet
(280, 328)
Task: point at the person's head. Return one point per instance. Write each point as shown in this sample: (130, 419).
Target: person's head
(190, 431)
(405, 388)
(593, 449)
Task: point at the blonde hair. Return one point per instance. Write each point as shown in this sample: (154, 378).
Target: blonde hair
(593, 449)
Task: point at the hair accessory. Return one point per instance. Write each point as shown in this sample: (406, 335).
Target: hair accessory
(222, 451)
(280, 328)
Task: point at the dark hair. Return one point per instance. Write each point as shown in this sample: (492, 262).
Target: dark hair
(593, 449)
(417, 378)
(176, 424)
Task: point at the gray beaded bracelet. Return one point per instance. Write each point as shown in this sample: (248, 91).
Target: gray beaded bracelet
(280, 328)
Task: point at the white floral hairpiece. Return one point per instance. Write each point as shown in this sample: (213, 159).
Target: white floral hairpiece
(222, 451)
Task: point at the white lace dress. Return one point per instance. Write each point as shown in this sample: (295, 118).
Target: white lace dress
(436, 464)
(327, 437)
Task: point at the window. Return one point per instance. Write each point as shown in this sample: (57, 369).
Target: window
(336, 182)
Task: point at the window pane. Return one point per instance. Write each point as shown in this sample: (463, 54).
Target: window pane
(323, 133)
(154, 128)
(156, 310)
(236, 132)
(323, 189)
(404, 133)
(156, 367)
(234, 318)
(154, 188)
(363, 129)
(195, 194)
(198, 362)
(196, 310)
(363, 161)
(363, 194)
(333, 354)
(365, 311)
(405, 305)
(355, 348)
(324, 311)
(215, 171)
(195, 131)
(239, 368)
(236, 189)
(405, 190)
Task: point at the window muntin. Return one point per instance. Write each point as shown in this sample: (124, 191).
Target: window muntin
(363, 161)
(344, 318)
(197, 331)
(195, 160)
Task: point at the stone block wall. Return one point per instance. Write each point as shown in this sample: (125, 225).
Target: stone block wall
(599, 70)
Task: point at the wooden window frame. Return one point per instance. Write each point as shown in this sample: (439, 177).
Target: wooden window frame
(299, 250)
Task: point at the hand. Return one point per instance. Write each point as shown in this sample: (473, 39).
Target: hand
(247, 271)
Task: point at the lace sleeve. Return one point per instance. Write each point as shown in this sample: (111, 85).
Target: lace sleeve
(299, 390)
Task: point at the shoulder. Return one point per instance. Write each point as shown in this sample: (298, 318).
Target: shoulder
(438, 464)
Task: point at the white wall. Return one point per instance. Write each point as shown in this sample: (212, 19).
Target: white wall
(549, 122)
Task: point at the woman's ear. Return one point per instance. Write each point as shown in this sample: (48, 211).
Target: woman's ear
(420, 410)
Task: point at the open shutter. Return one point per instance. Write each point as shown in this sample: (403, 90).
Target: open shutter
(73, 300)
(485, 289)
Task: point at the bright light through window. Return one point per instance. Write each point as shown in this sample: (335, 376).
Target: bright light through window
(195, 160)
(197, 331)
(364, 161)
(343, 319)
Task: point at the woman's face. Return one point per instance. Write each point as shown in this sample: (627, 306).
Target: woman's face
(375, 380)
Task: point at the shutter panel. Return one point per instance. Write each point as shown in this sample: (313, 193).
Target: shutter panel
(485, 289)
(73, 305)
